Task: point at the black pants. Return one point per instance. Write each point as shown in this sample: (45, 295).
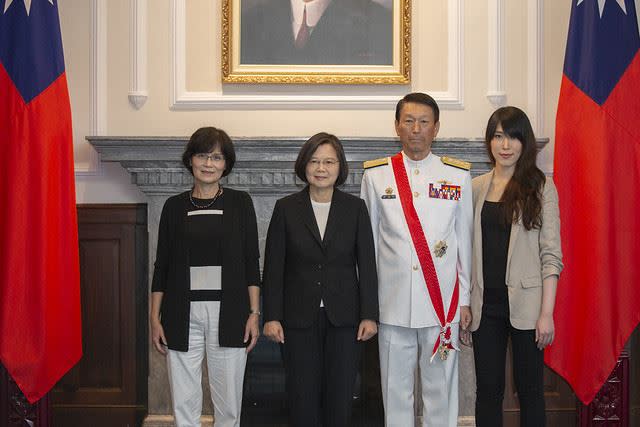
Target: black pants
(489, 350)
(321, 363)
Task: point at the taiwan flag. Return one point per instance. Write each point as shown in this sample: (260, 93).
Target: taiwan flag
(40, 331)
(597, 172)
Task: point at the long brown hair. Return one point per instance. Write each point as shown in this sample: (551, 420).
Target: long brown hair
(522, 197)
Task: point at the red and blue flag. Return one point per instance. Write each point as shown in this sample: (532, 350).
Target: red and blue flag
(40, 329)
(597, 173)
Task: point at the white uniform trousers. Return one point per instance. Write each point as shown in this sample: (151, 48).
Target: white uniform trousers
(226, 371)
(401, 351)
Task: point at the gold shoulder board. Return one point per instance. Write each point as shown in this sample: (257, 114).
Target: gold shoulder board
(375, 163)
(460, 164)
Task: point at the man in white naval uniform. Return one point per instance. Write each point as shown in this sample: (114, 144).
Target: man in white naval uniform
(410, 325)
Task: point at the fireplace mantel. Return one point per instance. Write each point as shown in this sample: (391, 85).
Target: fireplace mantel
(263, 165)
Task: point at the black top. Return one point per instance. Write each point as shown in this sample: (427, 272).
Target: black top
(240, 268)
(495, 247)
(205, 241)
(300, 267)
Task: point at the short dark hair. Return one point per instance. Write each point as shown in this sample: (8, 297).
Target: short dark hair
(205, 140)
(418, 98)
(309, 148)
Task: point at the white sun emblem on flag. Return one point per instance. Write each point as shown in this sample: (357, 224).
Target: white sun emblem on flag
(602, 2)
(622, 6)
(27, 5)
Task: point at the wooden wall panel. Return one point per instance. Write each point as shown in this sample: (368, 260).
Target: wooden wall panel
(108, 386)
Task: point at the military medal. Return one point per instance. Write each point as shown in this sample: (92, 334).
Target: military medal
(446, 191)
(443, 351)
(388, 193)
(445, 343)
(440, 248)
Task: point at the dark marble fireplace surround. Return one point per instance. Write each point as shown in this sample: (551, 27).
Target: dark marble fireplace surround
(264, 168)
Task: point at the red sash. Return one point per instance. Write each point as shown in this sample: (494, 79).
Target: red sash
(424, 256)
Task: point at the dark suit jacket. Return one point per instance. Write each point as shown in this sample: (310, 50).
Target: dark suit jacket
(301, 268)
(240, 268)
(358, 32)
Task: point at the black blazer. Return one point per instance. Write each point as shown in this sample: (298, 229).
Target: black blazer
(349, 32)
(240, 269)
(301, 268)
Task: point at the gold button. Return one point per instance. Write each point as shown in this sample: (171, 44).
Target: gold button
(416, 194)
(415, 268)
(416, 171)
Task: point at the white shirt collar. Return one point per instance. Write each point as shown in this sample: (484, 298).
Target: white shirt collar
(315, 9)
(418, 163)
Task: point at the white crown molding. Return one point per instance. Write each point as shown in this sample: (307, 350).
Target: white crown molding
(181, 99)
(138, 53)
(535, 64)
(496, 53)
(98, 85)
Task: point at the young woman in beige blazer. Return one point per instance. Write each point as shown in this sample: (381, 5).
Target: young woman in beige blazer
(516, 263)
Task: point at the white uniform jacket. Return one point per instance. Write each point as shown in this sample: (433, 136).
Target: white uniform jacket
(403, 295)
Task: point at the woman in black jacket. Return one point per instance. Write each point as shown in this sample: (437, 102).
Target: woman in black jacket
(320, 286)
(205, 294)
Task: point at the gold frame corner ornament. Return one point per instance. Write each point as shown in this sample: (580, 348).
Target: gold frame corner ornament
(235, 73)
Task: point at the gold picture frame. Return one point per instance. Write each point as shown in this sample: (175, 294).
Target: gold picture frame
(262, 69)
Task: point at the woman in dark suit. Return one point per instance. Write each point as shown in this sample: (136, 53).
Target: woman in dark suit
(205, 295)
(320, 286)
(516, 263)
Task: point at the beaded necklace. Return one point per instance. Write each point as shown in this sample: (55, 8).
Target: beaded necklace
(208, 205)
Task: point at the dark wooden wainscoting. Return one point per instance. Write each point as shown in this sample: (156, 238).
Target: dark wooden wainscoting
(108, 387)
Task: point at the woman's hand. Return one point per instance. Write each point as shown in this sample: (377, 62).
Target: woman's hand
(252, 331)
(545, 330)
(273, 330)
(157, 337)
(465, 337)
(465, 317)
(367, 329)
(465, 322)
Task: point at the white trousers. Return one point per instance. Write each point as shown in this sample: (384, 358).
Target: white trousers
(226, 371)
(402, 350)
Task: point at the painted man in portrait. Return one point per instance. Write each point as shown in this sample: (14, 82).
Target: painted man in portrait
(329, 32)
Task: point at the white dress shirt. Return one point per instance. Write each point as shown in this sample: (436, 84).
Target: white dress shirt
(315, 9)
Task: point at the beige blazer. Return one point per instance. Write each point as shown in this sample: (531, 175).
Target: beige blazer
(533, 255)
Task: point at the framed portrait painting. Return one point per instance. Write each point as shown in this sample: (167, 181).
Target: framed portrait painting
(316, 41)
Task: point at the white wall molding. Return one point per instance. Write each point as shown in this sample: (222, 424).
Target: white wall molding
(138, 53)
(98, 85)
(535, 65)
(453, 98)
(496, 53)
(181, 99)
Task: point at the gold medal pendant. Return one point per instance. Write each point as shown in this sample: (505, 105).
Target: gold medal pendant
(444, 351)
(440, 248)
(445, 343)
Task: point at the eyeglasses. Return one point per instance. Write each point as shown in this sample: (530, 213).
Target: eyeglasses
(327, 163)
(203, 157)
